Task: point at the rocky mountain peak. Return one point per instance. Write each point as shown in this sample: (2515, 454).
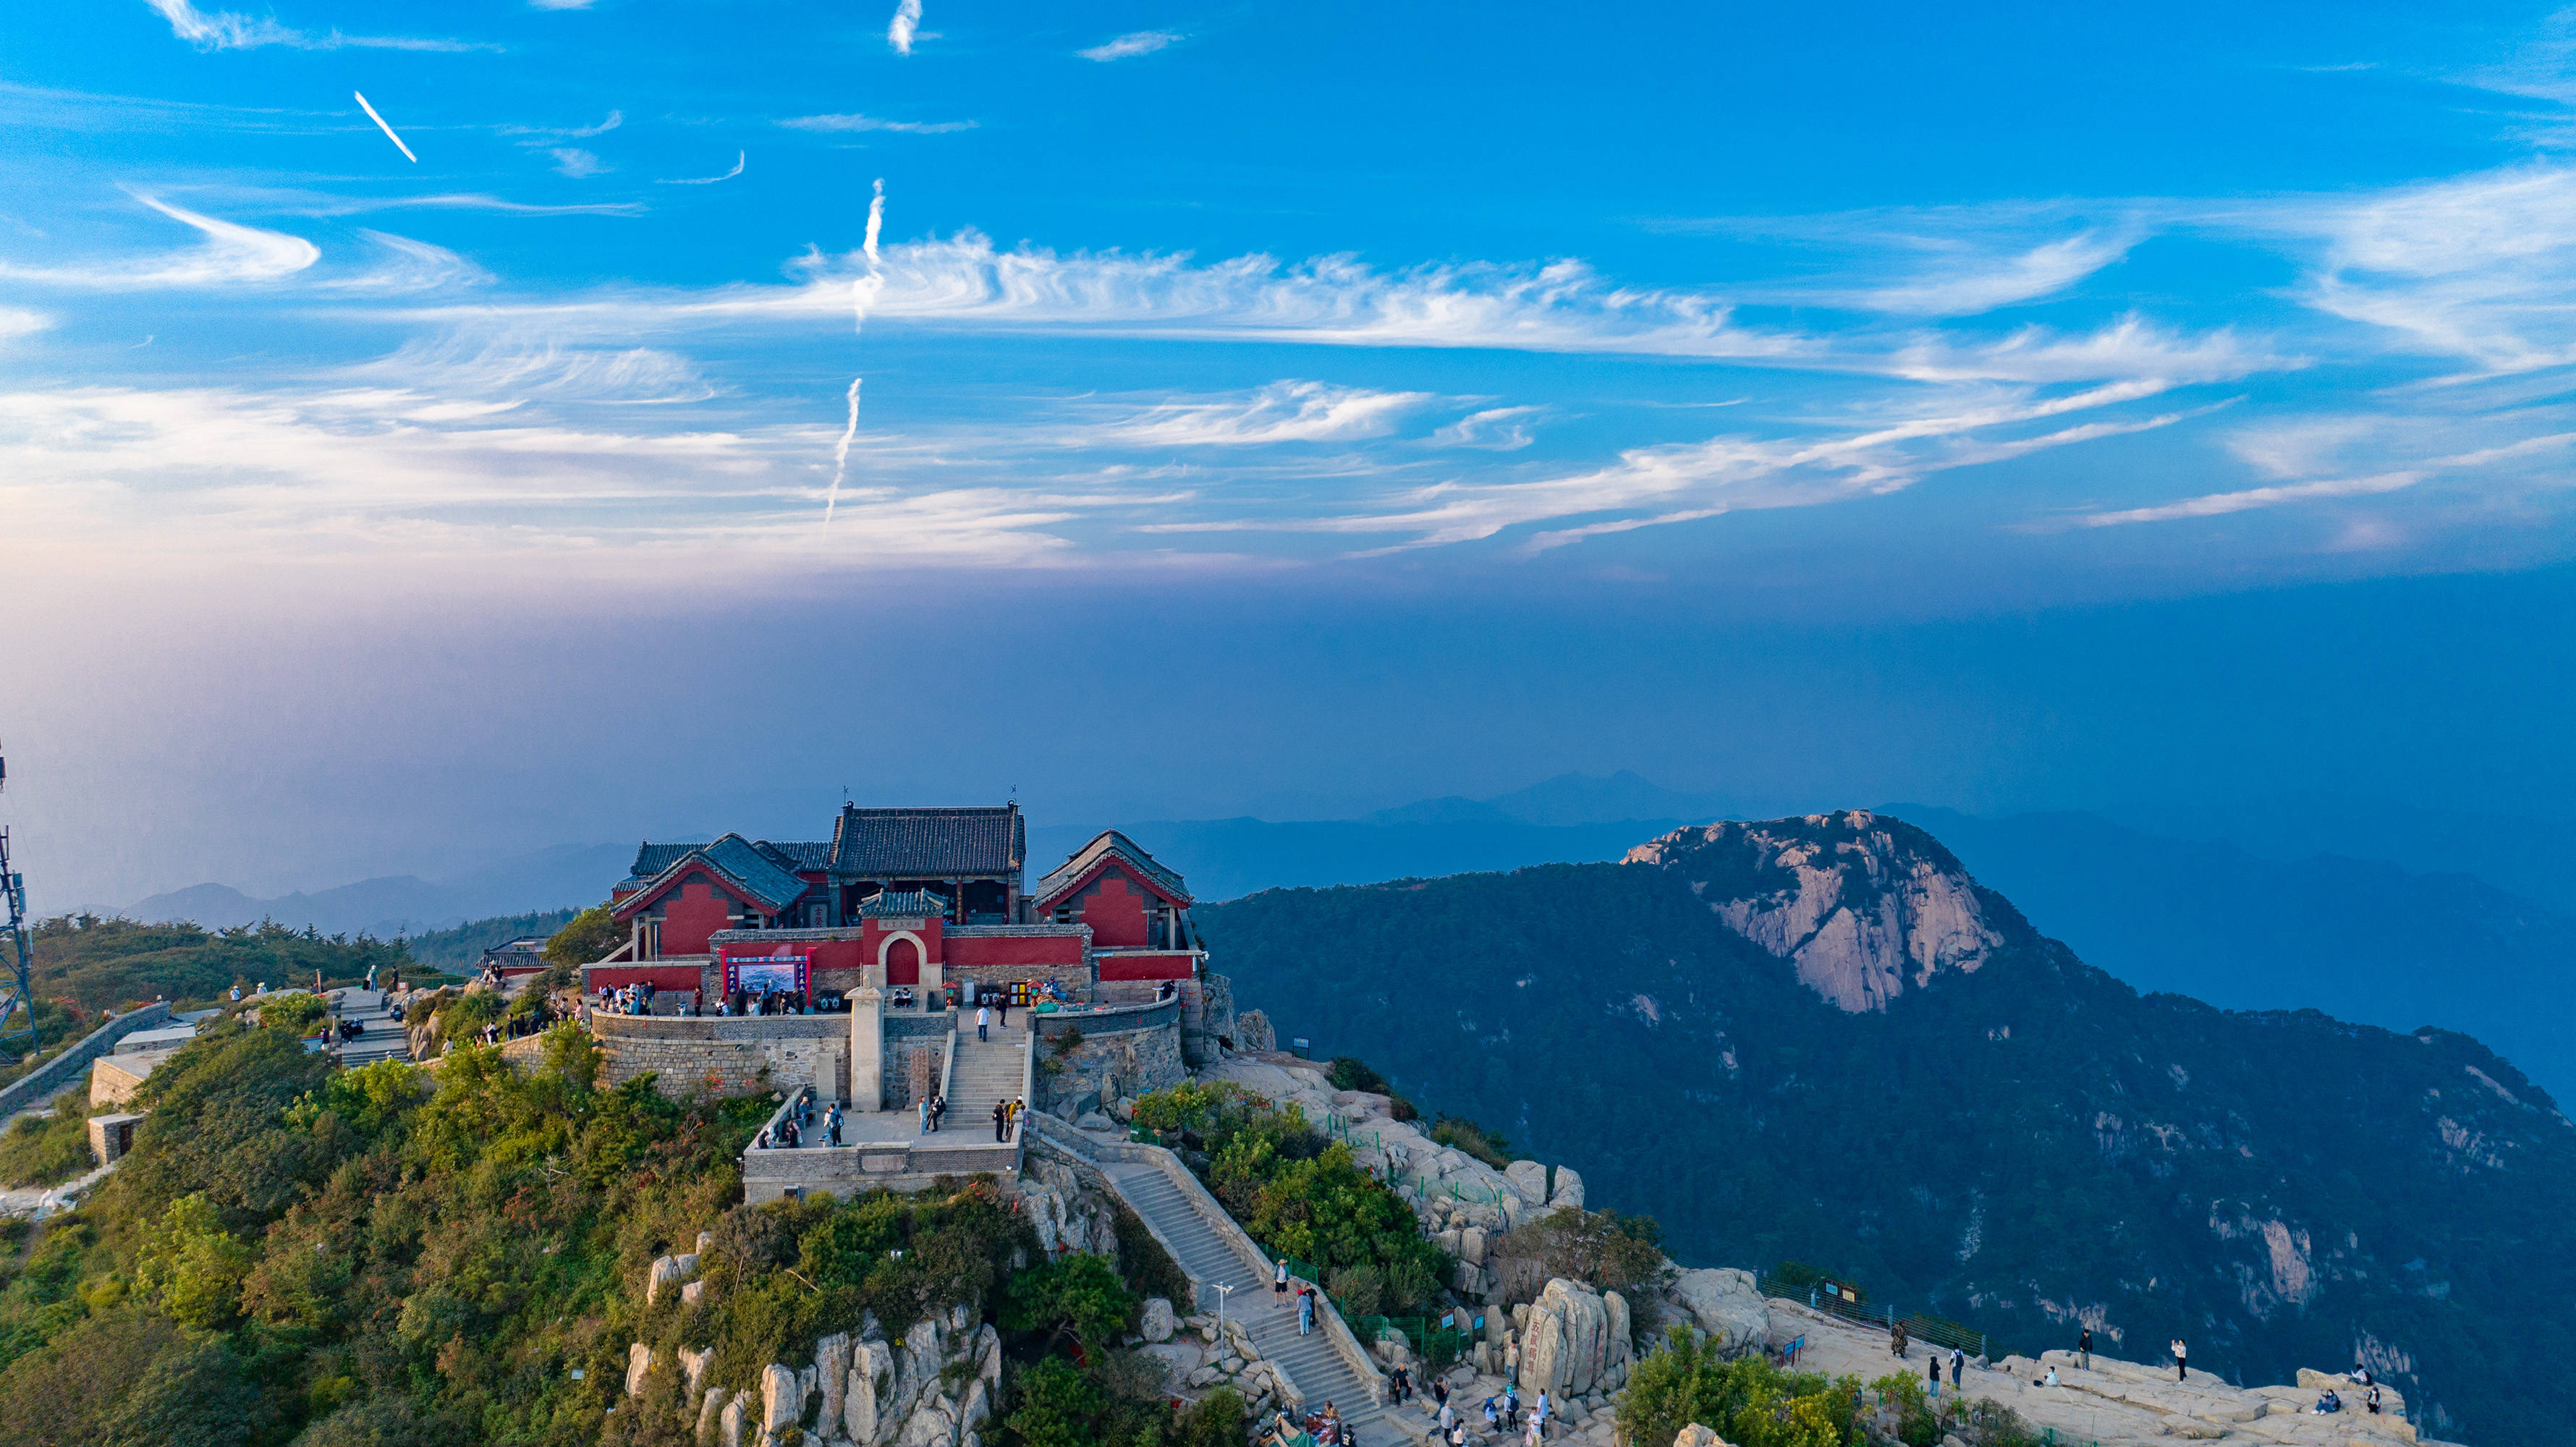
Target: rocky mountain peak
(1862, 905)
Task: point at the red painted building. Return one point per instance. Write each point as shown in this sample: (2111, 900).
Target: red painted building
(900, 898)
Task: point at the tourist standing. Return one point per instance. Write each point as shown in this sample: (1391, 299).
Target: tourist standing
(1958, 1368)
(2374, 1399)
(1896, 1341)
(1306, 1311)
(1001, 1119)
(2084, 1347)
(925, 1115)
(2182, 1361)
(1932, 1368)
(1279, 1294)
(983, 1018)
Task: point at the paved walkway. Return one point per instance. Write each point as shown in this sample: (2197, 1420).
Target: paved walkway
(384, 1039)
(1310, 1361)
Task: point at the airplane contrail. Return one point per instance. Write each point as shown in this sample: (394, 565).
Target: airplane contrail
(388, 130)
(841, 455)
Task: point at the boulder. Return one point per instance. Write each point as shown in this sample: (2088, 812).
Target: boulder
(832, 1372)
(988, 1359)
(1252, 1031)
(693, 1364)
(1528, 1180)
(1565, 1347)
(1616, 1341)
(693, 1293)
(729, 1425)
(871, 1372)
(1471, 1245)
(1696, 1435)
(1568, 1192)
(781, 1404)
(707, 1410)
(639, 1360)
(1156, 1322)
(1726, 1304)
(665, 1274)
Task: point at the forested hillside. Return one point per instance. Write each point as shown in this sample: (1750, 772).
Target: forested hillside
(2022, 1143)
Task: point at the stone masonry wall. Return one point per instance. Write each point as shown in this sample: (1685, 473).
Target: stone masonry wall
(1109, 1065)
(726, 1056)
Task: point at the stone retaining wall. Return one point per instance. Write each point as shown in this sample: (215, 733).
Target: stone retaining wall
(726, 1055)
(1123, 1054)
(42, 1081)
(847, 1171)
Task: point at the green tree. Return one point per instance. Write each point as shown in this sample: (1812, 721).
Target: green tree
(192, 1265)
(588, 936)
(1077, 1296)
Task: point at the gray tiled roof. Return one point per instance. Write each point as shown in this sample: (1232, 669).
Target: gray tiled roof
(894, 842)
(904, 904)
(651, 859)
(1110, 841)
(734, 857)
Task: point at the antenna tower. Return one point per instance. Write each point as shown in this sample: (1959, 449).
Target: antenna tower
(16, 992)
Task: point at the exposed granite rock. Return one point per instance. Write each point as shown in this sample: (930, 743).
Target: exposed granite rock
(1863, 907)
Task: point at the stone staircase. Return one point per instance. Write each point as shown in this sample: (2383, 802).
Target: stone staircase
(987, 1072)
(384, 1038)
(1318, 1371)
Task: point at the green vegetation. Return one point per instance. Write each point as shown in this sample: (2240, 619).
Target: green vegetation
(111, 964)
(50, 1148)
(585, 937)
(1906, 1414)
(2033, 1129)
(1350, 1073)
(455, 951)
(1612, 1252)
(371, 1253)
(1459, 1133)
(1748, 1401)
(1301, 1196)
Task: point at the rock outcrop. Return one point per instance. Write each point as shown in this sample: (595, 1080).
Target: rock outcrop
(1864, 907)
(1725, 1303)
(1573, 1340)
(1253, 1032)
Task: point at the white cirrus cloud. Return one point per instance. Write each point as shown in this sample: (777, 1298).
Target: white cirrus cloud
(855, 122)
(225, 30)
(1495, 429)
(229, 254)
(1137, 42)
(577, 163)
(1282, 412)
(404, 266)
(19, 321)
(739, 158)
(1965, 285)
(904, 26)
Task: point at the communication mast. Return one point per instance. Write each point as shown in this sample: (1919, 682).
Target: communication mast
(16, 991)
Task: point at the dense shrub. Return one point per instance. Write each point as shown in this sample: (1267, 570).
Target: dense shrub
(1611, 1251)
(1300, 1195)
(1746, 1400)
(1463, 1134)
(49, 1148)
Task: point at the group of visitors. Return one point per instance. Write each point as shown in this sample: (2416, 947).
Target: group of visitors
(1504, 1416)
(1006, 1117)
(635, 999)
(765, 1002)
(790, 1131)
(933, 1106)
(1315, 1429)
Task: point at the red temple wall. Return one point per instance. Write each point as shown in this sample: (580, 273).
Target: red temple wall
(691, 913)
(986, 951)
(1146, 966)
(1115, 910)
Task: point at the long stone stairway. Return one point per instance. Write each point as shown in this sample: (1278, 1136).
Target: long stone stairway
(1310, 1361)
(384, 1038)
(987, 1072)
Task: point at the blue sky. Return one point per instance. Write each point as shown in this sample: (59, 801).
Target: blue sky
(1380, 368)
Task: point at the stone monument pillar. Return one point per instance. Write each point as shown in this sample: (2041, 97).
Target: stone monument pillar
(867, 1049)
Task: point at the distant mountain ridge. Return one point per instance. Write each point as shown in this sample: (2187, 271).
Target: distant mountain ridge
(569, 875)
(1995, 1131)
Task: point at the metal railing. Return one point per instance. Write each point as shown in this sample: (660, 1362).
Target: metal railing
(1919, 1327)
(1437, 1346)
